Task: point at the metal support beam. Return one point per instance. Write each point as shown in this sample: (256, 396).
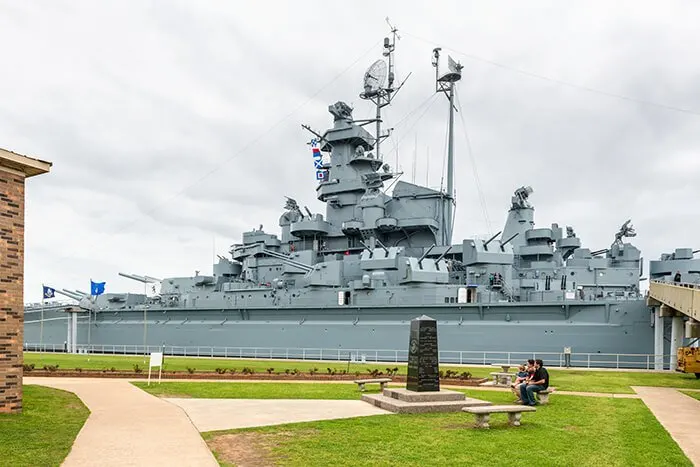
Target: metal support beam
(677, 331)
(74, 332)
(658, 340)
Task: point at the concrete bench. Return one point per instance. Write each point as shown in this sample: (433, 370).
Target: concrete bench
(382, 382)
(543, 396)
(483, 414)
(503, 379)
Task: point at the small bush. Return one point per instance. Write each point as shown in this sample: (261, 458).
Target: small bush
(190, 370)
(137, 368)
(441, 374)
(113, 370)
(270, 371)
(51, 368)
(295, 371)
(28, 367)
(313, 371)
(232, 371)
(220, 371)
(465, 375)
(79, 370)
(287, 371)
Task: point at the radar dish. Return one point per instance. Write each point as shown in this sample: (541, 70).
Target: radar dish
(375, 77)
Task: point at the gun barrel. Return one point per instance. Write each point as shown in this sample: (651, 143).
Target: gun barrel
(443, 254)
(486, 243)
(69, 294)
(510, 238)
(134, 277)
(427, 252)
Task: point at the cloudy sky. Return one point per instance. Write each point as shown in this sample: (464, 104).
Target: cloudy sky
(175, 126)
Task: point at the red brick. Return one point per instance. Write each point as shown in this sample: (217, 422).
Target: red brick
(11, 295)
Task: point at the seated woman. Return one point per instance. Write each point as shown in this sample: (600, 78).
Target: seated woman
(524, 373)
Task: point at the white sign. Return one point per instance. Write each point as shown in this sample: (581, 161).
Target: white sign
(156, 361)
(567, 350)
(570, 295)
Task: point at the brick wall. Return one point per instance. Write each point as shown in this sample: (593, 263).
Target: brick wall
(11, 289)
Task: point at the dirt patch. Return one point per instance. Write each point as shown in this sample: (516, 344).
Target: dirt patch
(251, 449)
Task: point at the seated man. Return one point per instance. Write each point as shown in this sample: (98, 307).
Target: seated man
(520, 378)
(539, 382)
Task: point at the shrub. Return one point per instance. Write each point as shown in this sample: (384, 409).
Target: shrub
(79, 370)
(28, 367)
(287, 371)
(270, 371)
(295, 371)
(232, 371)
(190, 370)
(441, 374)
(220, 371)
(113, 370)
(313, 371)
(465, 375)
(51, 368)
(137, 368)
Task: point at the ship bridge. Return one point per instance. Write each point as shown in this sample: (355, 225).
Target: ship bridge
(679, 302)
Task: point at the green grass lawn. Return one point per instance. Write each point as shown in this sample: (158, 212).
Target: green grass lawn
(216, 390)
(582, 431)
(44, 432)
(563, 380)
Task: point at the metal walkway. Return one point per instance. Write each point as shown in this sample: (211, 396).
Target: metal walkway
(678, 302)
(681, 297)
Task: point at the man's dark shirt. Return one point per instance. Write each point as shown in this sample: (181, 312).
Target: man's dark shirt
(541, 374)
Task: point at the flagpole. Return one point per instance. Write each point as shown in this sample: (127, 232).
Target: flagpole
(145, 331)
(41, 326)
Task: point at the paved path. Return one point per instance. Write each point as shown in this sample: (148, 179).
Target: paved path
(679, 414)
(127, 426)
(227, 414)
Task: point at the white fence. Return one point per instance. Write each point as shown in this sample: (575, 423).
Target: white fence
(465, 357)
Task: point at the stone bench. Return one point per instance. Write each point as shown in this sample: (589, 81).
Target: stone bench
(503, 379)
(483, 414)
(382, 382)
(543, 396)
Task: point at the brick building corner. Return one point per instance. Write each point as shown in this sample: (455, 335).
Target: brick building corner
(14, 169)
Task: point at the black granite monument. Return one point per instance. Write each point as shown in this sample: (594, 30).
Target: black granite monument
(423, 371)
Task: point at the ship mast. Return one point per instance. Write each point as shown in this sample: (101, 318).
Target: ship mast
(375, 89)
(446, 85)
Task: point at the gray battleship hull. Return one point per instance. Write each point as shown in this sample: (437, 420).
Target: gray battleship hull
(615, 327)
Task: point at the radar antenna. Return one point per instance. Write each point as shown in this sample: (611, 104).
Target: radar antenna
(378, 84)
(445, 83)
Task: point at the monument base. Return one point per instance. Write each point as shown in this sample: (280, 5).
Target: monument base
(405, 401)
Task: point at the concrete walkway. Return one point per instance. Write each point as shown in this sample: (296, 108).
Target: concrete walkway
(227, 414)
(127, 426)
(679, 414)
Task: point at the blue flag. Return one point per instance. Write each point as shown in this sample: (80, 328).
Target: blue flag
(97, 288)
(49, 292)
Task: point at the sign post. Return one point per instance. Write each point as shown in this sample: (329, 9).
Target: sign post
(156, 360)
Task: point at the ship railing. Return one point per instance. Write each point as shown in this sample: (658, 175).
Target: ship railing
(454, 357)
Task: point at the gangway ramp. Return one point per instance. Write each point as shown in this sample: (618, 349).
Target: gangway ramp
(681, 297)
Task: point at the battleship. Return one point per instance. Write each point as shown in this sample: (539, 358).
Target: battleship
(382, 254)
